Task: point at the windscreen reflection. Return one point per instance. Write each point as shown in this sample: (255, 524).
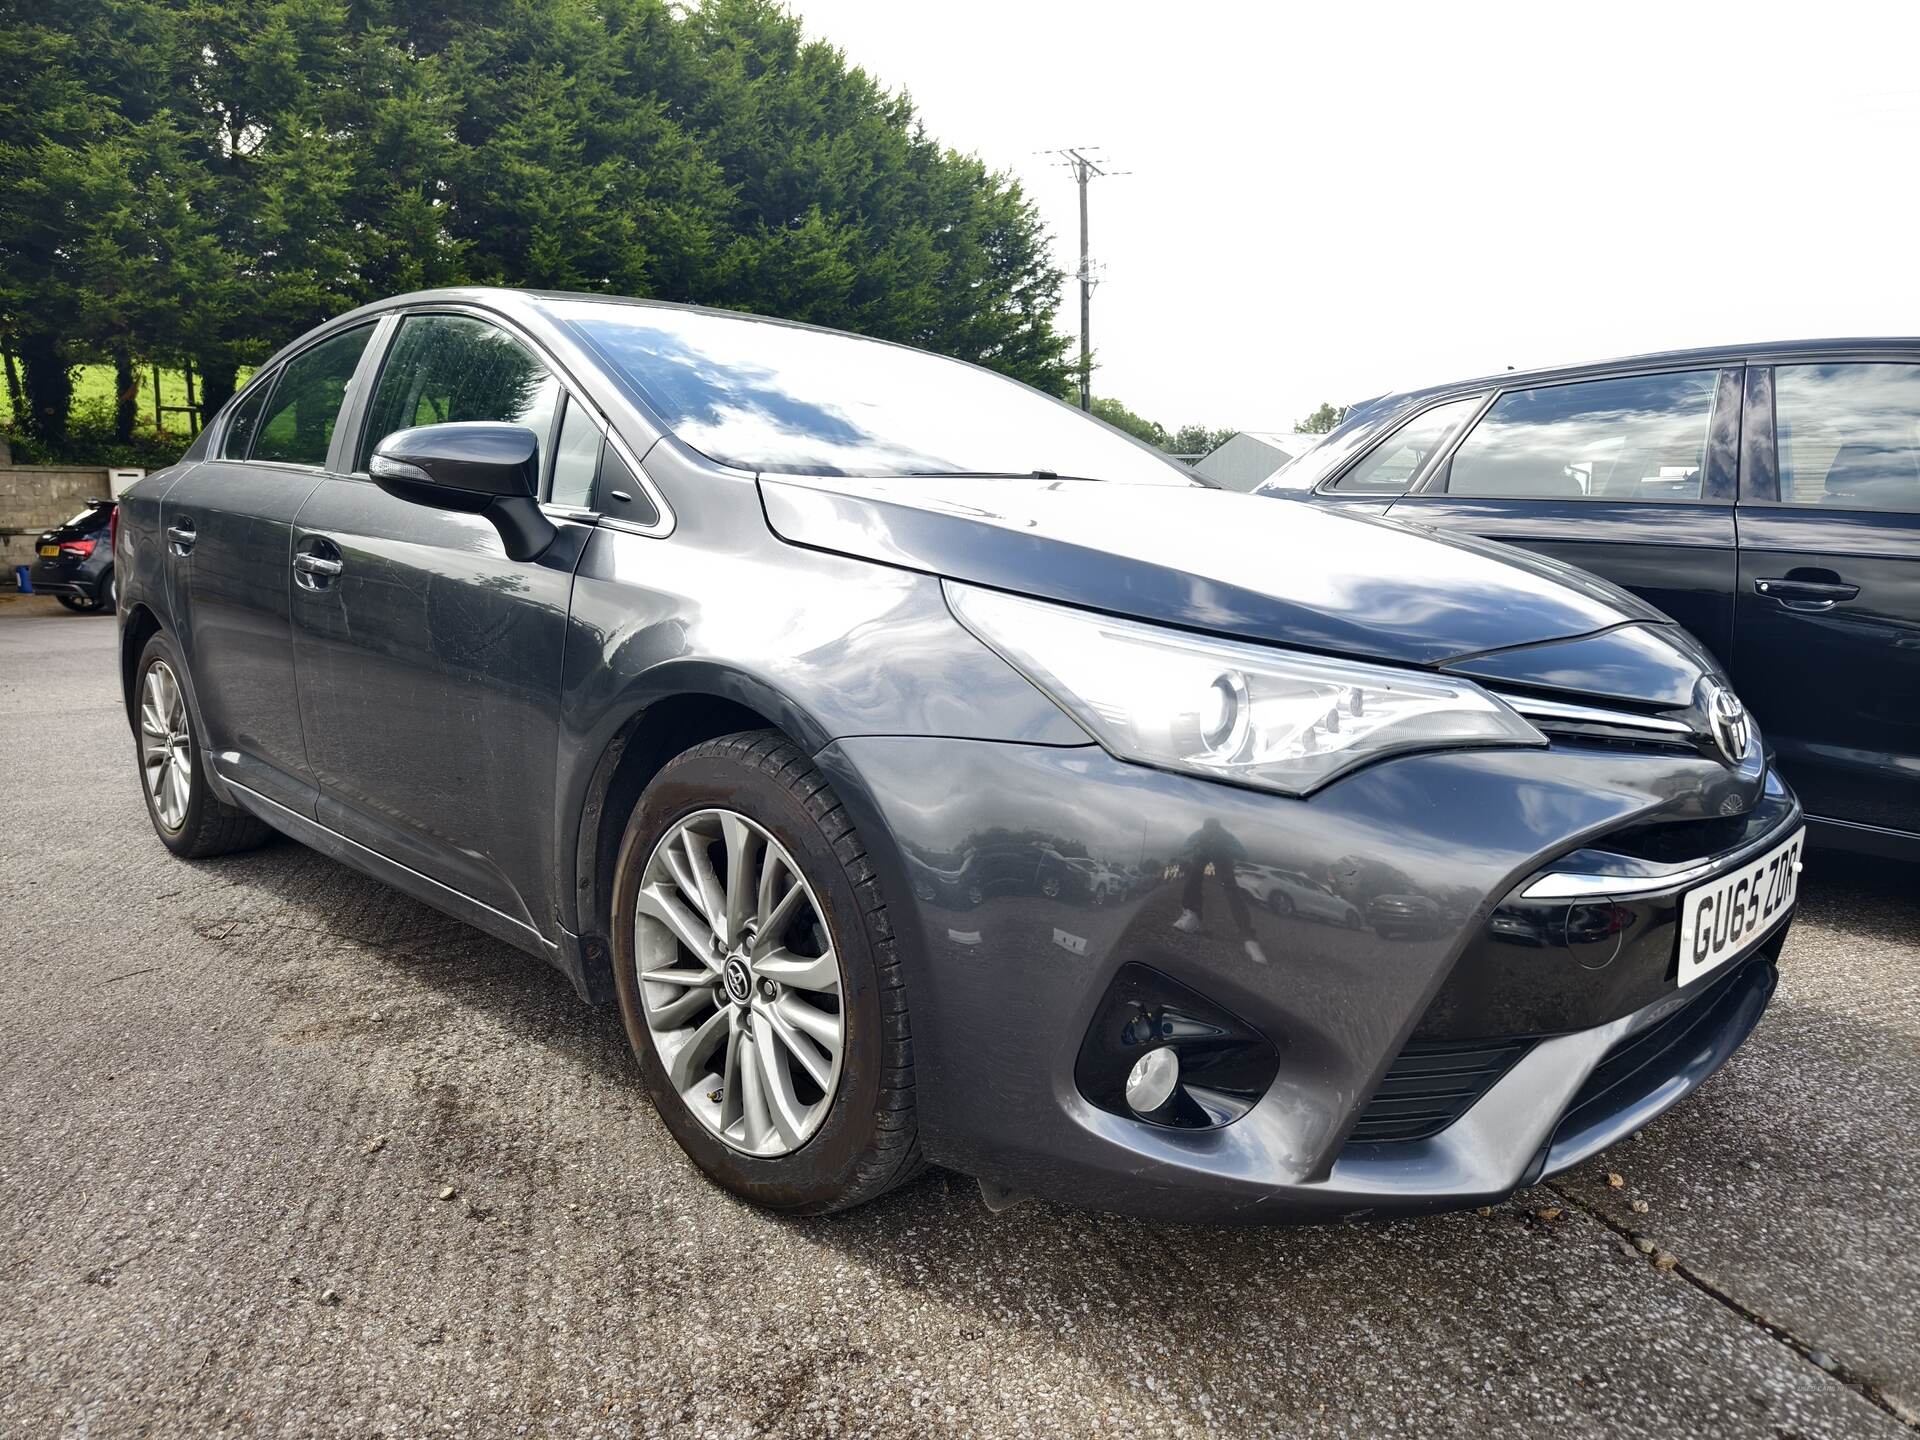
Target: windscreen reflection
(760, 395)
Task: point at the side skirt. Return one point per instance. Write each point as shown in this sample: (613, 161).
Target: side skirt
(568, 956)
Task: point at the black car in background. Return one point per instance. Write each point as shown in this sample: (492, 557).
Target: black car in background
(74, 562)
(1765, 496)
(914, 760)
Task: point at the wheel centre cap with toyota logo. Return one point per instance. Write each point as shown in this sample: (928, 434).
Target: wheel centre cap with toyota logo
(739, 982)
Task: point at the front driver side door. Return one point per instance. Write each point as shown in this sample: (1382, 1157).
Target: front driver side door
(429, 663)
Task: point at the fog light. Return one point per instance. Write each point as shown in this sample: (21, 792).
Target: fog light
(1151, 1081)
(1162, 1053)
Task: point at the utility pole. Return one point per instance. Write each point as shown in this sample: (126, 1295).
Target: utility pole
(1085, 165)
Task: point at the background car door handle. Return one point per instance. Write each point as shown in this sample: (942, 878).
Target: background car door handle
(182, 534)
(318, 565)
(1797, 594)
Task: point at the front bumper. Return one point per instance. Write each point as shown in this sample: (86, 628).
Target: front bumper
(1416, 859)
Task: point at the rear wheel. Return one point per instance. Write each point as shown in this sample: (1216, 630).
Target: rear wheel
(106, 595)
(758, 979)
(189, 818)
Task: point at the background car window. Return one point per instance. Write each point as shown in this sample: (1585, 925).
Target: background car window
(453, 367)
(1398, 458)
(1849, 435)
(576, 458)
(1640, 437)
(298, 424)
(93, 518)
(246, 419)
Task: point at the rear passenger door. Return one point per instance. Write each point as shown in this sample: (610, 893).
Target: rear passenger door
(227, 524)
(1828, 646)
(1629, 476)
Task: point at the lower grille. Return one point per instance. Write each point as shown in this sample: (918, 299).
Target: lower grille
(1431, 1084)
(1642, 1062)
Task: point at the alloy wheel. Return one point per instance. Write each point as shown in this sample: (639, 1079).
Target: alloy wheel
(739, 982)
(166, 751)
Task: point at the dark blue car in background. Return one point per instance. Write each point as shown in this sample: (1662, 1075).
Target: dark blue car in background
(1765, 496)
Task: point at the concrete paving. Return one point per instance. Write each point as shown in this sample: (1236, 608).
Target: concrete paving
(233, 1095)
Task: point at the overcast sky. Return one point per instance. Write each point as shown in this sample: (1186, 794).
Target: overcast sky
(1333, 201)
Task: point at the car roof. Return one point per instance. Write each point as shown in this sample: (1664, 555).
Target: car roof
(1762, 352)
(512, 300)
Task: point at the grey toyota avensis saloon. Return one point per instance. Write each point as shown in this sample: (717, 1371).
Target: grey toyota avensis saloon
(931, 773)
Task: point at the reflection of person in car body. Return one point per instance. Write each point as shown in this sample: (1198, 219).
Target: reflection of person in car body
(1213, 845)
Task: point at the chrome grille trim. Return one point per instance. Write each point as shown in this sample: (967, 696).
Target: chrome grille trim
(1655, 726)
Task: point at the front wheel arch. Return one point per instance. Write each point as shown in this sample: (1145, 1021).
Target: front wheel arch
(676, 707)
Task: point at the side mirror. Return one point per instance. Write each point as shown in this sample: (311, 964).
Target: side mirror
(475, 467)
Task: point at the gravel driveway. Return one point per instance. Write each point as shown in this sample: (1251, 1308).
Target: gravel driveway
(283, 1152)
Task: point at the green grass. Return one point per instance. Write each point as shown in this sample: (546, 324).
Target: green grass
(93, 386)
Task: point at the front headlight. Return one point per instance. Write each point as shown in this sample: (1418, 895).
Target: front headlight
(1249, 714)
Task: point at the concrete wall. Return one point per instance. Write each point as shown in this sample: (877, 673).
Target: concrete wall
(35, 498)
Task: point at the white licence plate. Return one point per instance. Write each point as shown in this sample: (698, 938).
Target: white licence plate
(1726, 918)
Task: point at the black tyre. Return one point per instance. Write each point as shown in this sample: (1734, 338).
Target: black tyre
(189, 819)
(759, 979)
(106, 595)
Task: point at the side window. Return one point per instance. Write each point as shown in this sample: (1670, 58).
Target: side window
(576, 458)
(297, 426)
(246, 419)
(1849, 435)
(454, 367)
(1639, 437)
(1397, 459)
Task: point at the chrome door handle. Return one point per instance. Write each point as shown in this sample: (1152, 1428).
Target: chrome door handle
(182, 534)
(317, 565)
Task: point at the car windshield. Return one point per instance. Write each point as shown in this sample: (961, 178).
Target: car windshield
(761, 395)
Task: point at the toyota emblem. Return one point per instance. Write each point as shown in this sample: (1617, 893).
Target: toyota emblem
(1726, 719)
